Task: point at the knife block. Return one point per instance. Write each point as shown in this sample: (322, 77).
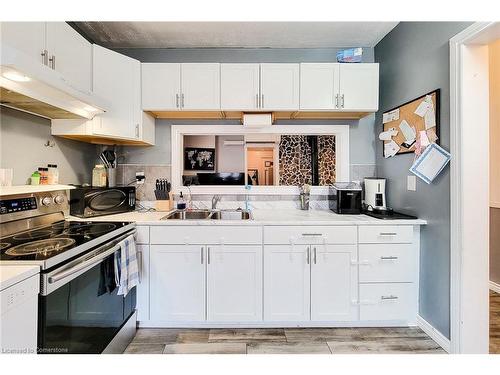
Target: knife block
(163, 205)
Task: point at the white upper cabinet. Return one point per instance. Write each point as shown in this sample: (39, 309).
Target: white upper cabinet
(234, 283)
(115, 78)
(319, 85)
(239, 86)
(27, 37)
(358, 88)
(70, 54)
(200, 84)
(334, 283)
(279, 86)
(161, 86)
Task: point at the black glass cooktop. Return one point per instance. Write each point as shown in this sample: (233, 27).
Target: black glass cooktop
(52, 240)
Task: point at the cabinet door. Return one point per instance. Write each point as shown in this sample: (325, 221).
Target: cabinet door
(239, 87)
(177, 283)
(27, 37)
(115, 79)
(286, 283)
(334, 283)
(358, 87)
(161, 86)
(72, 55)
(319, 85)
(200, 86)
(143, 286)
(279, 86)
(234, 283)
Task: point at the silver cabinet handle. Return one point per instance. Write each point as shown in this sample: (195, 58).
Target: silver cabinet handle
(52, 60)
(342, 100)
(201, 254)
(257, 100)
(314, 255)
(208, 255)
(137, 130)
(387, 234)
(139, 265)
(389, 258)
(262, 101)
(337, 101)
(312, 234)
(182, 100)
(308, 254)
(45, 57)
(177, 100)
(391, 297)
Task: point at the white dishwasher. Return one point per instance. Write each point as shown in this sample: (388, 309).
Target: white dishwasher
(19, 288)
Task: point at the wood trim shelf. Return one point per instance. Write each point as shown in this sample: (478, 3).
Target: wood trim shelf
(102, 140)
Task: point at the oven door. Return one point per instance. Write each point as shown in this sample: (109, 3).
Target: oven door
(75, 316)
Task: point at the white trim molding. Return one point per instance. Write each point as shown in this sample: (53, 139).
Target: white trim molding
(495, 287)
(434, 334)
(341, 133)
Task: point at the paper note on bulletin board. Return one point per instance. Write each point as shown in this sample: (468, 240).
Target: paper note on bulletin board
(411, 118)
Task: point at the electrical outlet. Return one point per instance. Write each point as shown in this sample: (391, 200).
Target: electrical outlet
(139, 178)
(411, 183)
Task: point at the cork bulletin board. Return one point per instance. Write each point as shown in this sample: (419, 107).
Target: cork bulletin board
(407, 113)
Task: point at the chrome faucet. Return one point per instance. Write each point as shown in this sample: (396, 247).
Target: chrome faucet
(215, 199)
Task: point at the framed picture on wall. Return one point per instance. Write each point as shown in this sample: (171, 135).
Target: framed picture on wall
(199, 159)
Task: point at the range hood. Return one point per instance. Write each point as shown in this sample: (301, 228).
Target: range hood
(32, 87)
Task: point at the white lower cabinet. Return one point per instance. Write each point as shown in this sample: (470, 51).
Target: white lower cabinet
(334, 283)
(286, 283)
(234, 283)
(177, 283)
(387, 301)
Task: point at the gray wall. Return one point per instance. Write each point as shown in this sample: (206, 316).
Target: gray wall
(22, 139)
(495, 245)
(414, 59)
(361, 132)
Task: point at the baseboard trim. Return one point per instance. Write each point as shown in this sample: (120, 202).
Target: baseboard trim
(495, 287)
(434, 333)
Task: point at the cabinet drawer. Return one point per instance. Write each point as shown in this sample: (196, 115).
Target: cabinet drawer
(206, 235)
(387, 263)
(279, 235)
(142, 234)
(387, 302)
(386, 234)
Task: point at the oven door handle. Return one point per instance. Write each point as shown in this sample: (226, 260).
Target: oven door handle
(89, 262)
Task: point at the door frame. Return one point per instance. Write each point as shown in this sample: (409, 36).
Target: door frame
(469, 115)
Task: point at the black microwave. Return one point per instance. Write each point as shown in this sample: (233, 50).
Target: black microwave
(95, 201)
(345, 198)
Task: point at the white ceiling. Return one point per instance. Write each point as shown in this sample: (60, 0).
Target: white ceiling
(236, 34)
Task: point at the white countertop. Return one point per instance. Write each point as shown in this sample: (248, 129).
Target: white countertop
(11, 274)
(27, 189)
(260, 217)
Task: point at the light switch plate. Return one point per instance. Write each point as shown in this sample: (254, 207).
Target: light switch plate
(411, 183)
(139, 178)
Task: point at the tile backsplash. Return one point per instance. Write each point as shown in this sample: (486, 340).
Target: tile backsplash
(125, 175)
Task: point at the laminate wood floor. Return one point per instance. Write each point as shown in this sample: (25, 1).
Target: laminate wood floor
(494, 323)
(403, 340)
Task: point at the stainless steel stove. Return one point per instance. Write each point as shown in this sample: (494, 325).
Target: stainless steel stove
(79, 309)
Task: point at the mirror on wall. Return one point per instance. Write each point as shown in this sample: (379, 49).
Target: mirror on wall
(259, 160)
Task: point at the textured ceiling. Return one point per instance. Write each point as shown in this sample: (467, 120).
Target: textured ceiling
(235, 34)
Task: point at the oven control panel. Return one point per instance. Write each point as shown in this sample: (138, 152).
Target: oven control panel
(16, 205)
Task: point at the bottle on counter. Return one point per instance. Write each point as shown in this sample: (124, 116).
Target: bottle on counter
(53, 174)
(181, 203)
(44, 175)
(99, 176)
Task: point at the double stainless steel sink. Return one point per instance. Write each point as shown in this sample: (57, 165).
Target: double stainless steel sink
(209, 215)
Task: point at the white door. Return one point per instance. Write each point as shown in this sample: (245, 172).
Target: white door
(319, 85)
(279, 86)
(234, 283)
(286, 282)
(71, 54)
(143, 286)
(200, 85)
(177, 283)
(27, 37)
(161, 86)
(358, 87)
(334, 283)
(115, 79)
(239, 87)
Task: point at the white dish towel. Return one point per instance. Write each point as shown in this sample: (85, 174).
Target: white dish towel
(126, 267)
